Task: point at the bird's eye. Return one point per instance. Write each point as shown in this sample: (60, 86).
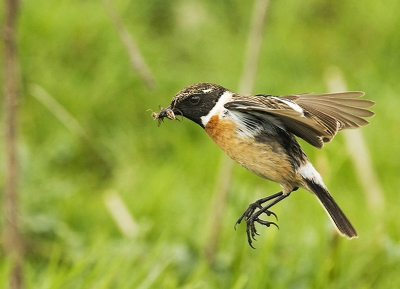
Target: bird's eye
(195, 100)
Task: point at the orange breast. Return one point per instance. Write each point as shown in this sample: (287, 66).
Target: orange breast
(266, 159)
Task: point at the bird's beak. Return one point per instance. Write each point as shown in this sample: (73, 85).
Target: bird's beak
(164, 113)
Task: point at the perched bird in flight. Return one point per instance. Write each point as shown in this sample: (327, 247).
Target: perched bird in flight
(258, 131)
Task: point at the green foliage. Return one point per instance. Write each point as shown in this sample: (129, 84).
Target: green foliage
(166, 176)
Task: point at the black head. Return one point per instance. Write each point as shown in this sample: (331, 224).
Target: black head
(193, 102)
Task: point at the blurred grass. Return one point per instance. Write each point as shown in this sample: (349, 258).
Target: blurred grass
(166, 175)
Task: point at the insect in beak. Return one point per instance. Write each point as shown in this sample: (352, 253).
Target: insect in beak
(164, 113)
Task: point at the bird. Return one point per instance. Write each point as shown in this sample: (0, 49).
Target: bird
(259, 132)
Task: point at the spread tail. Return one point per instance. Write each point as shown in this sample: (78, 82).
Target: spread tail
(342, 224)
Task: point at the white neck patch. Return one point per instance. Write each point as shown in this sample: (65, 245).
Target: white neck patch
(224, 98)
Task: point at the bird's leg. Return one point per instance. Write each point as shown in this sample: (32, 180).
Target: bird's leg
(252, 216)
(258, 205)
(251, 220)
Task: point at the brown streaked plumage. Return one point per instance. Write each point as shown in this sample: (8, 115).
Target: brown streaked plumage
(258, 132)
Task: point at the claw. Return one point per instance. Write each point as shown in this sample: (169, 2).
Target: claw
(250, 236)
(237, 223)
(251, 230)
(267, 223)
(254, 232)
(269, 213)
(249, 211)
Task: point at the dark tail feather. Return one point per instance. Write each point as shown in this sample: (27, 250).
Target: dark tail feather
(341, 222)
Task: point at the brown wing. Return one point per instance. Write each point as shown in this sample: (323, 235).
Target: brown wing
(316, 118)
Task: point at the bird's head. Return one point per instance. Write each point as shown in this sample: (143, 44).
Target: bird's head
(192, 102)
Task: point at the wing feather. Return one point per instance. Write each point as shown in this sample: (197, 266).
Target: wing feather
(316, 118)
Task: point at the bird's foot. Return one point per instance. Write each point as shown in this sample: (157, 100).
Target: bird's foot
(251, 216)
(251, 230)
(250, 212)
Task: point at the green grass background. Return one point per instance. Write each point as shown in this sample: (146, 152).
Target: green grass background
(167, 175)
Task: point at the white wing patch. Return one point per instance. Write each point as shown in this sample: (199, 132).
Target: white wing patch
(292, 105)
